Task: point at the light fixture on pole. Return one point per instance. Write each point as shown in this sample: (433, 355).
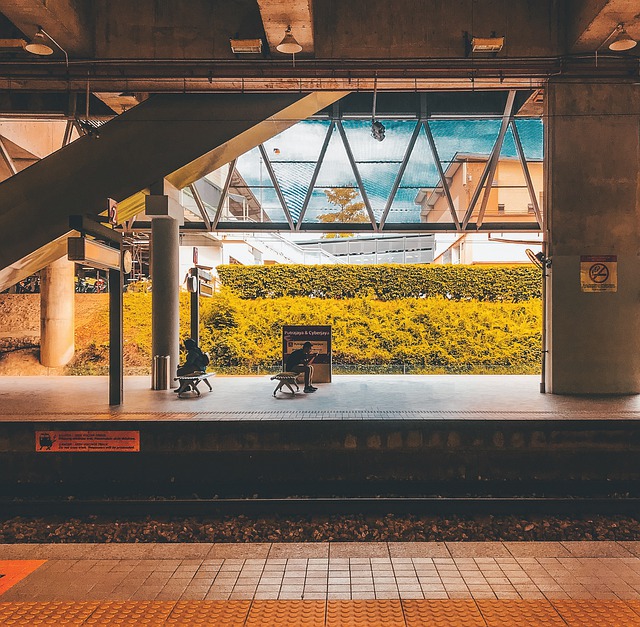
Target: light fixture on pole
(39, 46)
(377, 127)
(622, 41)
(289, 45)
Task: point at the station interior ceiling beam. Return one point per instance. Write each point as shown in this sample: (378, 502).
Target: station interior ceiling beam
(278, 15)
(68, 22)
(591, 22)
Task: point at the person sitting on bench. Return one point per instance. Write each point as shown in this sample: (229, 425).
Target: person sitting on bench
(196, 362)
(299, 361)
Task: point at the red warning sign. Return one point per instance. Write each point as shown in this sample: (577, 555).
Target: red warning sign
(87, 441)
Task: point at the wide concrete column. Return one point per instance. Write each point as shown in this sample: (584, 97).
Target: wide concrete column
(593, 208)
(167, 217)
(57, 309)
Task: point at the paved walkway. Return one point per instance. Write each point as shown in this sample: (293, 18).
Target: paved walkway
(348, 397)
(459, 583)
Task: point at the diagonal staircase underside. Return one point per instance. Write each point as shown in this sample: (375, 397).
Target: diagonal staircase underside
(178, 137)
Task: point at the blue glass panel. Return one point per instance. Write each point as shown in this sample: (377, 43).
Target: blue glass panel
(471, 137)
(301, 142)
(404, 208)
(336, 170)
(378, 179)
(421, 169)
(366, 149)
(531, 133)
(251, 168)
(294, 180)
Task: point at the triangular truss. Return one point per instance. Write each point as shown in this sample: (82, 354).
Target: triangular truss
(342, 150)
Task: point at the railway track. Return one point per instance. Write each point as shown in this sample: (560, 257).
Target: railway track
(481, 505)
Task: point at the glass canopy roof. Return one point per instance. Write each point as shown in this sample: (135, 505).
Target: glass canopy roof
(431, 174)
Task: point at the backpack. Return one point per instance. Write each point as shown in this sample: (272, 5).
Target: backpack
(205, 359)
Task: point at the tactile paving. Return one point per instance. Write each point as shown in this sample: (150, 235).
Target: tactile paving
(46, 613)
(386, 613)
(227, 613)
(597, 613)
(442, 613)
(13, 571)
(506, 613)
(287, 613)
(131, 613)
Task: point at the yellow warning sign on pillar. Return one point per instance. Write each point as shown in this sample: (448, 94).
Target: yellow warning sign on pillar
(599, 273)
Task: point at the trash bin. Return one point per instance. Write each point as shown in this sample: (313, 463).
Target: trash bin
(160, 373)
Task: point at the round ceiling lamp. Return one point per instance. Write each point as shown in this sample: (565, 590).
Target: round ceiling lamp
(289, 45)
(622, 41)
(38, 45)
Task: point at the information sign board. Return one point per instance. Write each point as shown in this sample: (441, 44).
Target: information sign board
(87, 441)
(599, 273)
(293, 337)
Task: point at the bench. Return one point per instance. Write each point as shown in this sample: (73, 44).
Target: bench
(192, 380)
(288, 379)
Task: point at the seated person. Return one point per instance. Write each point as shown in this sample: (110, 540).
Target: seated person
(299, 361)
(196, 362)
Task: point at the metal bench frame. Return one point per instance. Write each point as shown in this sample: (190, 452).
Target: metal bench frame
(192, 381)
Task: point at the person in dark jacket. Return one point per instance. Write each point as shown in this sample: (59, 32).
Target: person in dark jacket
(196, 361)
(300, 361)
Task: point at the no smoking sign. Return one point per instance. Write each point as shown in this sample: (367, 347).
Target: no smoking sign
(599, 273)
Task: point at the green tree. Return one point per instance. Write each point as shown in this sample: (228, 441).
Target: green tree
(349, 211)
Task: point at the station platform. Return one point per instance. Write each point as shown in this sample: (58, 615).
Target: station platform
(347, 397)
(357, 436)
(333, 584)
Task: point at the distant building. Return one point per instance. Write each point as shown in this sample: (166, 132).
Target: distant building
(509, 201)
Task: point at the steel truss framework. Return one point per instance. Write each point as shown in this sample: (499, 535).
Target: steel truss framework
(469, 219)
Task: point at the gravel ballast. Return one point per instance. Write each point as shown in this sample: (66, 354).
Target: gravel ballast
(390, 528)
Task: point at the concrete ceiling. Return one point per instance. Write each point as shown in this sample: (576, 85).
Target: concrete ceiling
(147, 46)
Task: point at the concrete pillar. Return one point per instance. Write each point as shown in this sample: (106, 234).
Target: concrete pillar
(57, 308)
(167, 216)
(593, 206)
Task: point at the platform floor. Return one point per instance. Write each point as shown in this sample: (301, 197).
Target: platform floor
(459, 583)
(348, 397)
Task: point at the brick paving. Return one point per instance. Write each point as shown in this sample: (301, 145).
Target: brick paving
(340, 571)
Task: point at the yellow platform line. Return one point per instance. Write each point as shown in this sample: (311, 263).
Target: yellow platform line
(365, 613)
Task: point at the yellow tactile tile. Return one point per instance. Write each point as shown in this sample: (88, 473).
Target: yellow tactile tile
(442, 613)
(46, 613)
(518, 613)
(287, 613)
(597, 613)
(131, 613)
(13, 571)
(227, 613)
(383, 613)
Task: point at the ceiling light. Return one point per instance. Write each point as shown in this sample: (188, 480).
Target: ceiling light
(38, 45)
(622, 41)
(487, 44)
(289, 45)
(246, 46)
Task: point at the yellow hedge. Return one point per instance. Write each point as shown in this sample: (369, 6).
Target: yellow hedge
(433, 335)
(388, 282)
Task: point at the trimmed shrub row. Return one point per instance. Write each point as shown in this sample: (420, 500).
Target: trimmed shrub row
(425, 336)
(512, 284)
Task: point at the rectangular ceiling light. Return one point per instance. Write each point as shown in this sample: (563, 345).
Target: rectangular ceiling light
(93, 253)
(246, 46)
(487, 44)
